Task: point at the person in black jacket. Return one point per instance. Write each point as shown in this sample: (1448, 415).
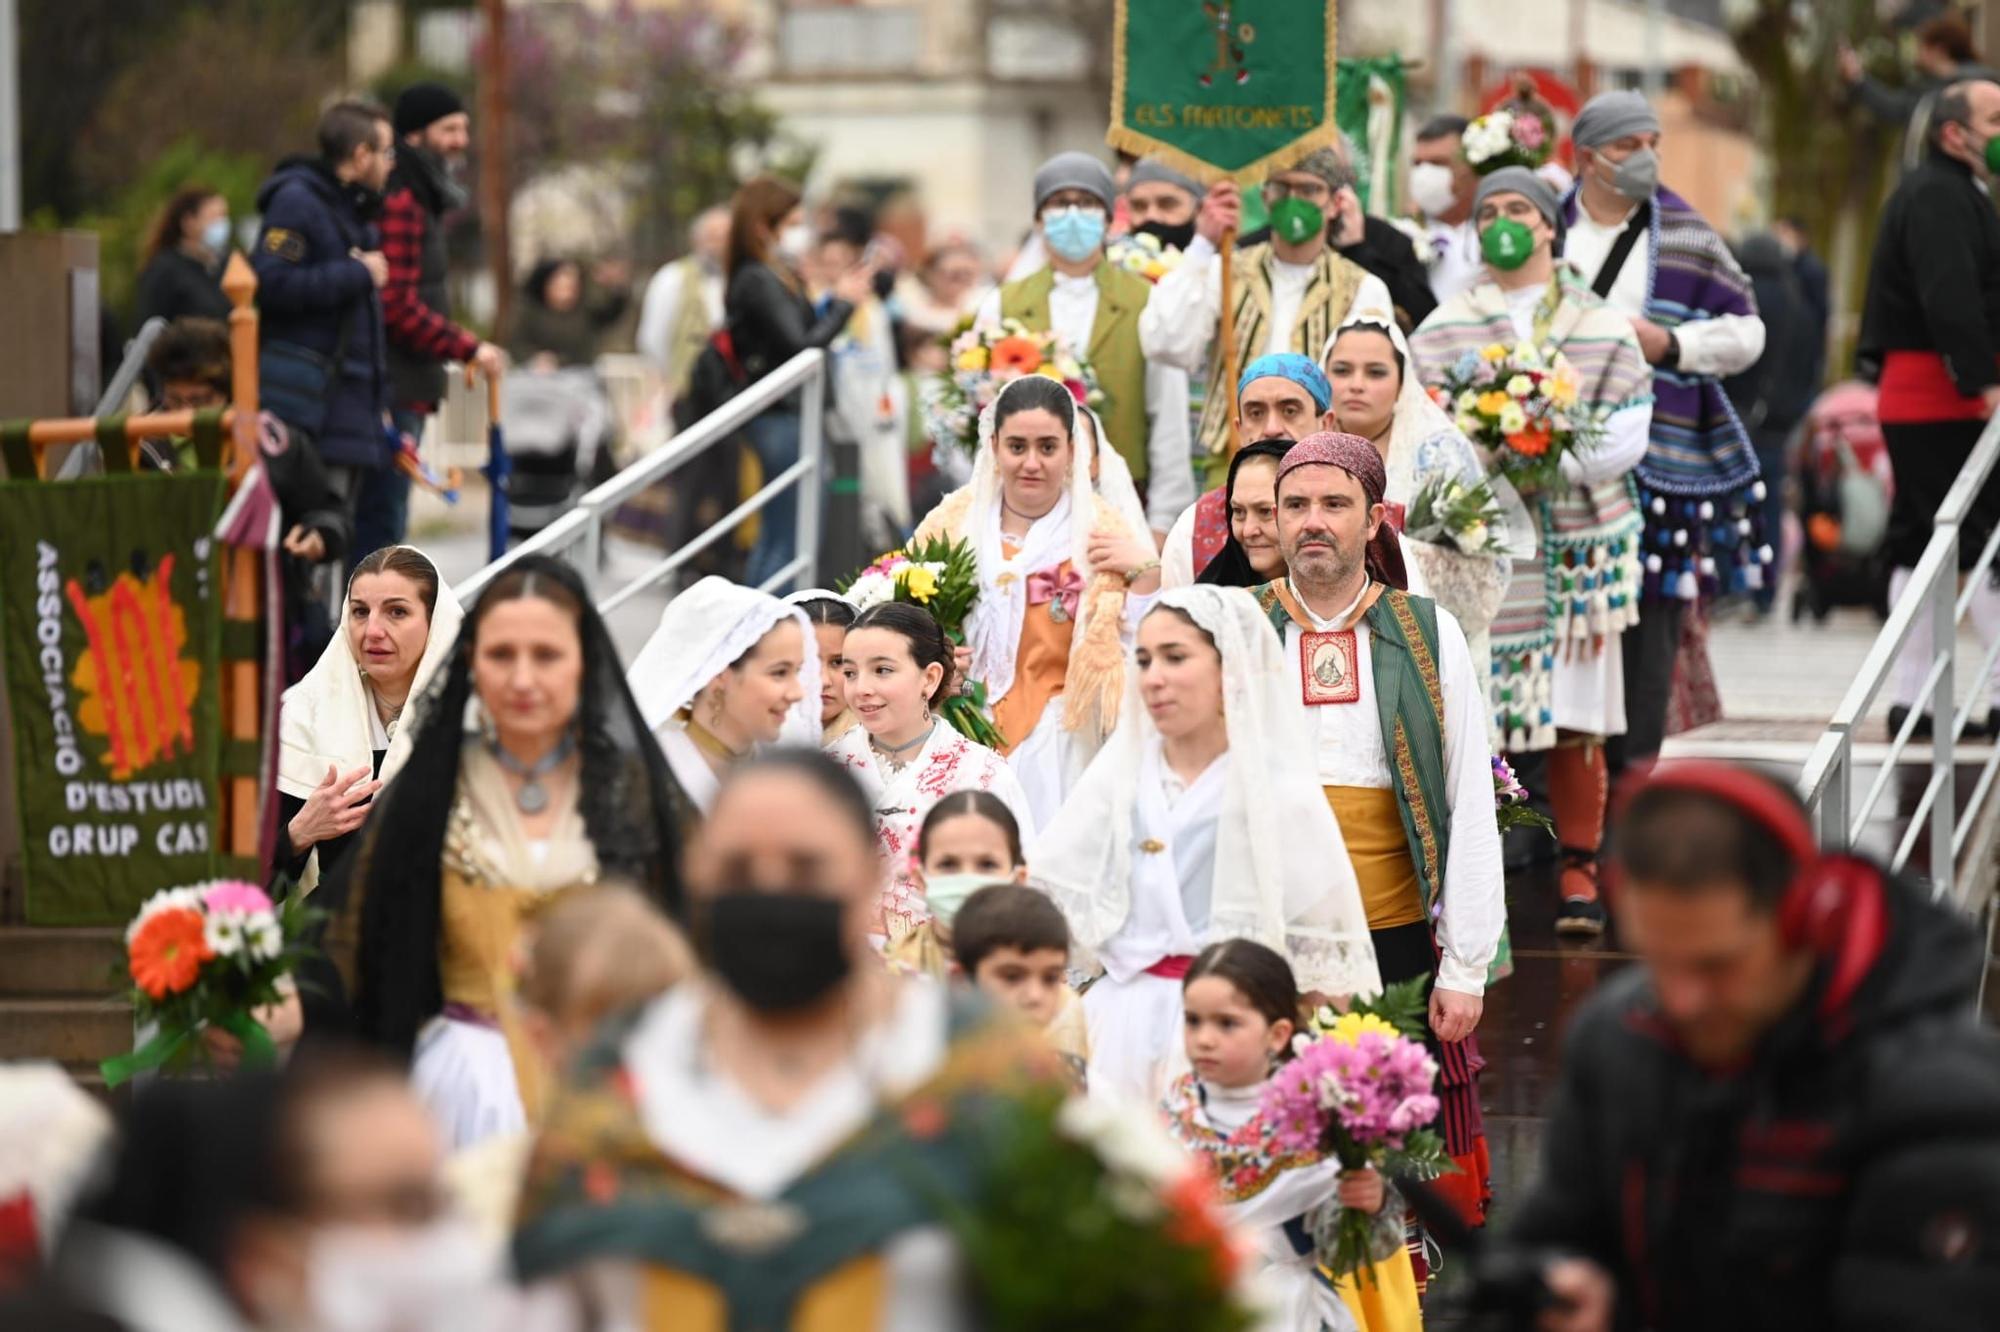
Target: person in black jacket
(319, 277)
(1931, 332)
(182, 265)
(1787, 1116)
(1378, 246)
(770, 319)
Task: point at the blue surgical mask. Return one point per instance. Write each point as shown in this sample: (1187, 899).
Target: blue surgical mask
(1074, 233)
(216, 236)
(944, 894)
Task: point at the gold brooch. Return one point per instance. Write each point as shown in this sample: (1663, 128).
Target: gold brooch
(1152, 846)
(1005, 579)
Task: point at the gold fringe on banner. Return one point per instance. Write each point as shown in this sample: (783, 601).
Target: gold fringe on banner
(1140, 144)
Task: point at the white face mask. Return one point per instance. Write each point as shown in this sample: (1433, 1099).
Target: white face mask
(795, 242)
(369, 1279)
(944, 894)
(1432, 189)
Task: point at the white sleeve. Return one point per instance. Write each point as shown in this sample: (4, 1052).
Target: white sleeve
(1725, 345)
(1626, 434)
(657, 314)
(1475, 901)
(1170, 465)
(988, 315)
(1177, 556)
(1179, 320)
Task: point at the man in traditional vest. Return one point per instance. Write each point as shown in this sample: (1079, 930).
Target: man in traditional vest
(1095, 307)
(1291, 292)
(1647, 252)
(1399, 709)
(433, 132)
(683, 304)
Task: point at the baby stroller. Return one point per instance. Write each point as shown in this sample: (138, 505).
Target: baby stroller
(558, 431)
(1844, 486)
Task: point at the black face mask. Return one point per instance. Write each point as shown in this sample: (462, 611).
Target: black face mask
(885, 283)
(367, 203)
(779, 952)
(1168, 234)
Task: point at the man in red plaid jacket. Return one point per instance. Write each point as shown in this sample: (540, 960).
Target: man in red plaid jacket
(433, 133)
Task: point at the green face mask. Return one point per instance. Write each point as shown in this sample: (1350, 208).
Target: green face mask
(1507, 244)
(1993, 154)
(1294, 221)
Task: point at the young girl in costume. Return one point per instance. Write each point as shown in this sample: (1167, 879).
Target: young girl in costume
(1241, 1011)
(968, 840)
(830, 615)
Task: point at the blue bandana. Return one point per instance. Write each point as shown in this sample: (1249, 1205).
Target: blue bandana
(1301, 370)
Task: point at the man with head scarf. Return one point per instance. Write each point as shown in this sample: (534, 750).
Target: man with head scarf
(1096, 307)
(1557, 680)
(1161, 202)
(1290, 291)
(1647, 251)
(1279, 397)
(1396, 705)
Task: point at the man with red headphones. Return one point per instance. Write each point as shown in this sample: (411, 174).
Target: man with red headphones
(1788, 1114)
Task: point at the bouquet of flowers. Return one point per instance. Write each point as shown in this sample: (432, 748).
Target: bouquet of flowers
(942, 576)
(985, 360)
(1361, 1089)
(1084, 1195)
(1519, 132)
(1447, 512)
(1520, 403)
(1510, 800)
(204, 956)
(1143, 253)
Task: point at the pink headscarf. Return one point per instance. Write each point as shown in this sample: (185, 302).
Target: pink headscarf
(1360, 460)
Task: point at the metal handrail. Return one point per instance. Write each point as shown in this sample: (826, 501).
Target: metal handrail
(583, 525)
(1933, 600)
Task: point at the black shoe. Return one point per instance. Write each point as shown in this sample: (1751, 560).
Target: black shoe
(1580, 916)
(1900, 714)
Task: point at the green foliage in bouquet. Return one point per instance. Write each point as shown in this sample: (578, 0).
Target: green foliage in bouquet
(941, 576)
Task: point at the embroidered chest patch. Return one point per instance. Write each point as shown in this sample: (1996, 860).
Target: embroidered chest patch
(1327, 668)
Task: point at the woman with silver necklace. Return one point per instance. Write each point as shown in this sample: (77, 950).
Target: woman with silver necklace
(897, 662)
(530, 773)
(730, 668)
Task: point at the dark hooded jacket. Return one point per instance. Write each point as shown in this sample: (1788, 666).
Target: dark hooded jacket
(1848, 1178)
(309, 284)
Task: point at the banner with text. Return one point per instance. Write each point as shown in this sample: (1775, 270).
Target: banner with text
(1220, 88)
(111, 611)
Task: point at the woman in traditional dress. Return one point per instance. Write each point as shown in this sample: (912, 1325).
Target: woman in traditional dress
(1249, 556)
(1202, 819)
(794, 1125)
(1061, 584)
(729, 668)
(1376, 396)
(531, 772)
(340, 726)
(830, 615)
(897, 662)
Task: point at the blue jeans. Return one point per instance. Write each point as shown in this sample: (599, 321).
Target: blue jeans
(382, 509)
(775, 438)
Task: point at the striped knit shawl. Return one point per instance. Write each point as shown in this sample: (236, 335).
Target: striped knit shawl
(1699, 448)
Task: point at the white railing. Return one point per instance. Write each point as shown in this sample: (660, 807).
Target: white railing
(1934, 605)
(578, 535)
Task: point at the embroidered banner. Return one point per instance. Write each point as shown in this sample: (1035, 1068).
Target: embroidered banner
(1220, 88)
(110, 607)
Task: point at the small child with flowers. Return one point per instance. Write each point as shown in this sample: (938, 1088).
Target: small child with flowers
(1241, 1010)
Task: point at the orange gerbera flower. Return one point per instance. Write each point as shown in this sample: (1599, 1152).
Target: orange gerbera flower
(167, 952)
(1532, 442)
(1022, 356)
(1194, 1220)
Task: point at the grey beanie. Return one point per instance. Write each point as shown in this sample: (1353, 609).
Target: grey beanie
(1519, 180)
(1327, 164)
(1152, 171)
(1613, 115)
(1075, 171)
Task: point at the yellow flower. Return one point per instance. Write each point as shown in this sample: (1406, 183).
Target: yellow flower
(921, 582)
(1561, 387)
(1492, 403)
(1493, 351)
(972, 358)
(1050, 371)
(1351, 1027)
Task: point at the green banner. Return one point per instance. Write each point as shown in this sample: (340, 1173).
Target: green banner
(1220, 88)
(1369, 111)
(111, 612)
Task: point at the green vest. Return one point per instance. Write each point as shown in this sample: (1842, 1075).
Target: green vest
(1409, 697)
(1113, 352)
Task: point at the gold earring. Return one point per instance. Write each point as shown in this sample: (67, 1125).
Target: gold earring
(714, 709)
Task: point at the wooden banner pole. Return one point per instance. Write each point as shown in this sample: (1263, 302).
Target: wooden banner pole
(1226, 333)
